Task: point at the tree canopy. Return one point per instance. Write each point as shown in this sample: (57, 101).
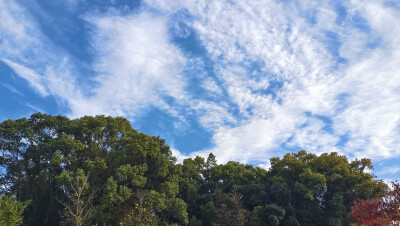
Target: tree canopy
(100, 171)
(378, 211)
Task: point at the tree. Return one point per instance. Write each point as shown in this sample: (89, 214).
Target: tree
(38, 152)
(11, 210)
(230, 212)
(27, 147)
(323, 188)
(142, 214)
(209, 213)
(274, 214)
(378, 211)
(78, 208)
(136, 179)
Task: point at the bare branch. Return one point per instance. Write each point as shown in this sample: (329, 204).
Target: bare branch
(78, 209)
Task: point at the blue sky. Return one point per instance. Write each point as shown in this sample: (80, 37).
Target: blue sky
(246, 80)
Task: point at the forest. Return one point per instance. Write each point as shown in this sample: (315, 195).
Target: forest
(101, 171)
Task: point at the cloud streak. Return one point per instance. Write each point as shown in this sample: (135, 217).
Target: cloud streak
(34, 79)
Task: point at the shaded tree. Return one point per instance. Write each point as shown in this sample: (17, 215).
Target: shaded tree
(230, 212)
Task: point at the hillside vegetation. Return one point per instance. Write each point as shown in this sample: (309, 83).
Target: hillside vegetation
(101, 171)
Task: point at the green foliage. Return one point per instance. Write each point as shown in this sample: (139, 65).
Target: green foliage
(274, 213)
(116, 175)
(11, 210)
(208, 213)
(323, 188)
(78, 208)
(142, 214)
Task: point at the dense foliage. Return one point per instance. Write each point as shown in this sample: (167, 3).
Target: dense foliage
(378, 211)
(100, 171)
(11, 210)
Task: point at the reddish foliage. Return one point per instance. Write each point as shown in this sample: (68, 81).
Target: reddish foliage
(369, 212)
(394, 203)
(384, 211)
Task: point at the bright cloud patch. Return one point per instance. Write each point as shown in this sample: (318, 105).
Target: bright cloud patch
(305, 55)
(136, 64)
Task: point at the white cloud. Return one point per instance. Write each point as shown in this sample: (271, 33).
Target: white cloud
(212, 116)
(135, 62)
(178, 155)
(294, 53)
(12, 21)
(313, 137)
(250, 141)
(265, 165)
(137, 65)
(372, 116)
(34, 79)
(21, 40)
(210, 85)
(389, 170)
(259, 31)
(36, 109)
(63, 85)
(24, 48)
(12, 89)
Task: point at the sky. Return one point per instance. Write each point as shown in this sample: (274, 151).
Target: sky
(245, 80)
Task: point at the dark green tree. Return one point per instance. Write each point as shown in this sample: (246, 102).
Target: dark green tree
(40, 152)
(99, 170)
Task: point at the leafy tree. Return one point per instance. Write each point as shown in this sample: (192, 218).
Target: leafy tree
(27, 148)
(336, 210)
(142, 214)
(101, 170)
(378, 211)
(40, 152)
(230, 210)
(11, 210)
(78, 206)
(255, 217)
(209, 213)
(274, 214)
(323, 188)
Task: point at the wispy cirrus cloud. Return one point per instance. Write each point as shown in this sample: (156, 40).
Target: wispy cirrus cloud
(262, 77)
(136, 64)
(25, 49)
(34, 79)
(327, 59)
(240, 33)
(136, 67)
(390, 170)
(14, 28)
(371, 117)
(12, 89)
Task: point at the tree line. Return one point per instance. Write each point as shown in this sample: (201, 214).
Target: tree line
(100, 171)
